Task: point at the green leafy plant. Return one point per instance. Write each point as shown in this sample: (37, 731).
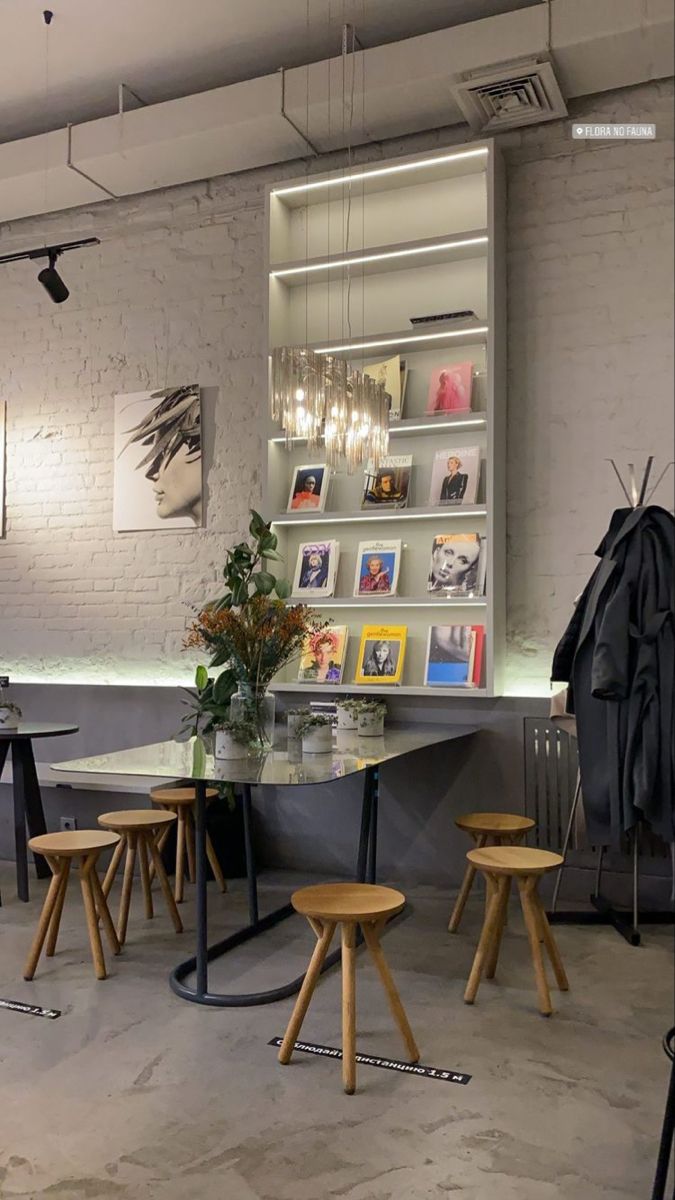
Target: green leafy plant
(209, 703)
(372, 708)
(243, 573)
(242, 732)
(313, 721)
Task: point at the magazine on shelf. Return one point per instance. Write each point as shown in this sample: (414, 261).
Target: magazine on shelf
(454, 476)
(450, 658)
(309, 488)
(323, 656)
(316, 569)
(381, 654)
(450, 389)
(388, 373)
(479, 648)
(458, 564)
(388, 485)
(377, 568)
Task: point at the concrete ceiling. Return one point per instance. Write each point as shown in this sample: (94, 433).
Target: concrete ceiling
(165, 49)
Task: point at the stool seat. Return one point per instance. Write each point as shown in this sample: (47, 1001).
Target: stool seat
(60, 849)
(348, 901)
(494, 824)
(182, 801)
(72, 843)
(327, 905)
(140, 829)
(500, 865)
(136, 818)
(179, 795)
(514, 860)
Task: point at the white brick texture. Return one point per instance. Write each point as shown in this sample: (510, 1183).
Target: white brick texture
(177, 294)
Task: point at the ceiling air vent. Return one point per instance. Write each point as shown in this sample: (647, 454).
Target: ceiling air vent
(510, 95)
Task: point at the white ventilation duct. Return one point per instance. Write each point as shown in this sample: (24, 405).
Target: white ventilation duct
(409, 87)
(516, 94)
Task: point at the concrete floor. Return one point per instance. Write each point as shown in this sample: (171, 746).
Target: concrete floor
(135, 1095)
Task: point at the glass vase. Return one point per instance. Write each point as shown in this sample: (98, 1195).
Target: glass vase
(257, 706)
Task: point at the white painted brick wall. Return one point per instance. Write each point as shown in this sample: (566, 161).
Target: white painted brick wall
(177, 293)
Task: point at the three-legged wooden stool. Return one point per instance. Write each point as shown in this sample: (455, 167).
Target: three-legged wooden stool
(181, 801)
(499, 829)
(501, 864)
(348, 905)
(138, 829)
(60, 849)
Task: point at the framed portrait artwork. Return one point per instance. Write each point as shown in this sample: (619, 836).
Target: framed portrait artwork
(388, 485)
(309, 488)
(158, 460)
(381, 654)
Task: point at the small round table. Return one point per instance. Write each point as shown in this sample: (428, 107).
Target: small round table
(28, 810)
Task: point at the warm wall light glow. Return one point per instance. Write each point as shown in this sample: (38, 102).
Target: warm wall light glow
(399, 168)
(477, 330)
(332, 264)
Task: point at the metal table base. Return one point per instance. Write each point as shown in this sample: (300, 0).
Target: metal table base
(366, 869)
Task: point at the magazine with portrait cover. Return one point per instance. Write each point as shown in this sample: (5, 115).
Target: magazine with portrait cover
(388, 373)
(388, 485)
(316, 569)
(454, 476)
(323, 656)
(450, 656)
(458, 564)
(377, 568)
(450, 389)
(309, 488)
(381, 654)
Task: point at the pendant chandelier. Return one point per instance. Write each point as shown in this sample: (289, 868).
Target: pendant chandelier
(317, 396)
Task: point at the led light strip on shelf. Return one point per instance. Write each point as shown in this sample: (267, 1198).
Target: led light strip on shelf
(379, 172)
(478, 330)
(402, 429)
(332, 264)
(448, 601)
(397, 514)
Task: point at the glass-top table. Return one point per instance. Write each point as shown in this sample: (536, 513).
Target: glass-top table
(283, 766)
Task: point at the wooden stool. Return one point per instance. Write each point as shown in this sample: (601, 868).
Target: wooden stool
(181, 801)
(347, 904)
(501, 829)
(501, 864)
(60, 849)
(138, 829)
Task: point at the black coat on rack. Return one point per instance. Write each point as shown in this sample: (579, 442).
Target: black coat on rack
(618, 657)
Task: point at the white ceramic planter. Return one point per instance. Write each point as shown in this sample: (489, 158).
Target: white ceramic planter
(8, 719)
(317, 740)
(371, 724)
(227, 747)
(346, 719)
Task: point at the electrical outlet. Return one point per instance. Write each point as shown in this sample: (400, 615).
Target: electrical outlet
(68, 824)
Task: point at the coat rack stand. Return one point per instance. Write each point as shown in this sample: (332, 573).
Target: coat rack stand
(626, 922)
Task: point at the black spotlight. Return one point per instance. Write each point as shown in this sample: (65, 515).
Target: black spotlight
(53, 283)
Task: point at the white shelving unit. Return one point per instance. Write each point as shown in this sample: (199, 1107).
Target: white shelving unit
(425, 235)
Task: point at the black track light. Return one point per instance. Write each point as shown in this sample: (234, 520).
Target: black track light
(49, 276)
(52, 282)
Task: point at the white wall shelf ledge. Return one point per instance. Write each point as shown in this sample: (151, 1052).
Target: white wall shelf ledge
(415, 427)
(366, 602)
(348, 689)
(376, 260)
(460, 512)
(472, 334)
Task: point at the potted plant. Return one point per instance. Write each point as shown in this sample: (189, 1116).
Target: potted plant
(316, 732)
(233, 738)
(250, 630)
(371, 715)
(294, 718)
(348, 713)
(10, 714)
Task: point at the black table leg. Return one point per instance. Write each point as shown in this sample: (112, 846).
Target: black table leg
(365, 870)
(20, 846)
(4, 750)
(35, 815)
